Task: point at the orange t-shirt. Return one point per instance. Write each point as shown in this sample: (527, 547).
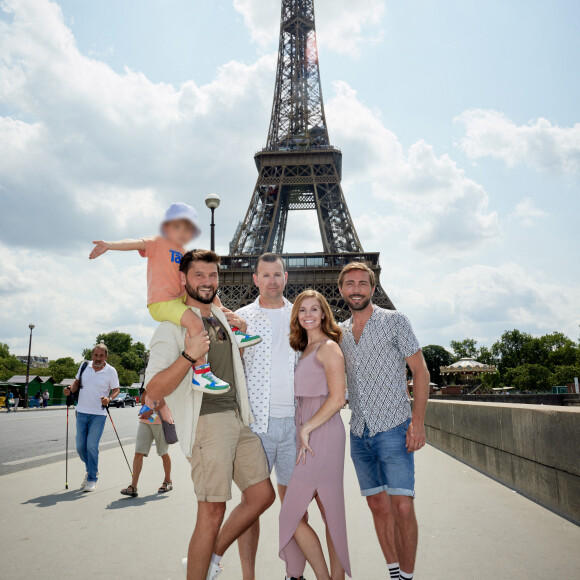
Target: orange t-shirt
(163, 259)
(167, 416)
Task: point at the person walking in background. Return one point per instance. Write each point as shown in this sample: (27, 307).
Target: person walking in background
(8, 401)
(16, 399)
(377, 346)
(269, 370)
(319, 385)
(97, 383)
(150, 429)
(213, 430)
(45, 399)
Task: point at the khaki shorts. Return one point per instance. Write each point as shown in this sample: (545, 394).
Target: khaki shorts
(146, 434)
(225, 450)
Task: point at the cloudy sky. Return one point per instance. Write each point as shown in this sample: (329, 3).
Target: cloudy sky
(459, 122)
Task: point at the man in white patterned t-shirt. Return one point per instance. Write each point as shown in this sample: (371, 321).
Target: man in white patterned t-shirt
(378, 345)
(269, 369)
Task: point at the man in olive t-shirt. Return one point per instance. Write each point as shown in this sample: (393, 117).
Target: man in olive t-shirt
(220, 359)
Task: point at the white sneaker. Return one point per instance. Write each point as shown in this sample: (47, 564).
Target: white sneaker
(205, 381)
(91, 486)
(84, 483)
(214, 569)
(245, 340)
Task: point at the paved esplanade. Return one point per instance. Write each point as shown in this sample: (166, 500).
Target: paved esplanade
(470, 526)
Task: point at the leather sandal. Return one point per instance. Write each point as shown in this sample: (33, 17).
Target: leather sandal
(167, 486)
(130, 491)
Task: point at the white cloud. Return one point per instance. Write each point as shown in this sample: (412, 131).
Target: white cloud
(527, 213)
(69, 301)
(539, 144)
(442, 208)
(482, 301)
(343, 26)
(110, 150)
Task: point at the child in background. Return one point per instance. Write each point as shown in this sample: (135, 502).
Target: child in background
(165, 293)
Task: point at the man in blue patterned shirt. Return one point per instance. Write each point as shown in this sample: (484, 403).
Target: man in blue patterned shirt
(378, 344)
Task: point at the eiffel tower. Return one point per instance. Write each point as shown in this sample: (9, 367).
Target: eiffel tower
(298, 170)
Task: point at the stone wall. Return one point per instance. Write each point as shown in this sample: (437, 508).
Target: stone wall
(533, 449)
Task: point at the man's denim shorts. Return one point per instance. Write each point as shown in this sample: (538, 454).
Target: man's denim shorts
(382, 462)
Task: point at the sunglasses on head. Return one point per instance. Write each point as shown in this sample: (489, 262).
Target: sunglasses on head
(214, 323)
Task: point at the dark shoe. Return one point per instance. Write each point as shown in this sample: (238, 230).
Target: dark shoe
(130, 491)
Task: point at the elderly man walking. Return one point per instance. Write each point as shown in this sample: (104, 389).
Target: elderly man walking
(377, 345)
(97, 383)
(213, 429)
(269, 371)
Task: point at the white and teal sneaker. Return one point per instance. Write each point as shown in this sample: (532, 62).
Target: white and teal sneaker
(245, 340)
(206, 382)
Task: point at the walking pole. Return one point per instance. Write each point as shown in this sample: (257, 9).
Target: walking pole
(66, 460)
(109, 413)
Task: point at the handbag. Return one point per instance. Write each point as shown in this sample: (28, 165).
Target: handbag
(168, 430)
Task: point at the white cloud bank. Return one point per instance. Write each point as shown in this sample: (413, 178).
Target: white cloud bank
(481, 301)
(539, 144)
(343, 26)
(441, 208)
(527, 213)
(88, 152)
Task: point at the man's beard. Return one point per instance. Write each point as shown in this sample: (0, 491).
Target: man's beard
(193, 293)
(358, 306)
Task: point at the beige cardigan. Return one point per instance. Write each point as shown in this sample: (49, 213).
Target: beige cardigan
(166, 346)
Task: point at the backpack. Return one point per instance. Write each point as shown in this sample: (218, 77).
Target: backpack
(73, 398)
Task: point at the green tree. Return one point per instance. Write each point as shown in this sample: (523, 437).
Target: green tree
(132, 361)
(436, 356)
(515, 348)
(126, 377)
(490, 381)
(9, 364)
(532, 377)
(486, 356)
(464, 348)
(63, 368)
(565, 374)
(557, 350)
(125, 355)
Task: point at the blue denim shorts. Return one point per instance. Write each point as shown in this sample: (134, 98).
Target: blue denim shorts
(280, 447)
(382, 462)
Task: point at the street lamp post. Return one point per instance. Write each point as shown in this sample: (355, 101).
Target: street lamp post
(212, 201)
(31, 326)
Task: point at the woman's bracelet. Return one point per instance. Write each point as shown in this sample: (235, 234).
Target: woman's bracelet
(187, 357)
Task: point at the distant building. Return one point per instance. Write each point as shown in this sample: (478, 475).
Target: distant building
(36, 362)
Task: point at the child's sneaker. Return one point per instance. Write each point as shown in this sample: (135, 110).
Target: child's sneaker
(206, 382)
(245, 340)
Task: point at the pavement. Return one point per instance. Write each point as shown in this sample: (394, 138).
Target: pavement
(34, 438)
(471, 527)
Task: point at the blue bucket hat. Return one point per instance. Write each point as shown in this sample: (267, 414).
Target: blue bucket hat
(182, 211)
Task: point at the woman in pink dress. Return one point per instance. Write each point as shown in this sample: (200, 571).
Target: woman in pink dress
(319, 387)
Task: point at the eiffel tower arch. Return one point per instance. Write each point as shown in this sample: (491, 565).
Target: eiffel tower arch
(297, 170)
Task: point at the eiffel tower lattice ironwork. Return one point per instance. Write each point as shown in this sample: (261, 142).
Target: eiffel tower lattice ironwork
(298, 170)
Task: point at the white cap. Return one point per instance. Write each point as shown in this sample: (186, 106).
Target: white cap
(182, 211)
